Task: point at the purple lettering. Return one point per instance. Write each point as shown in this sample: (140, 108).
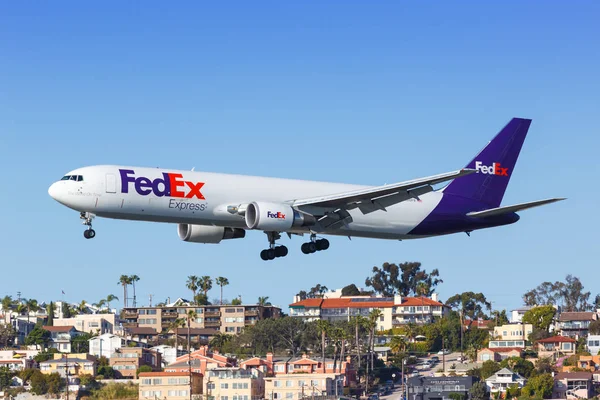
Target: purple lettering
(125, 179)
(166, 186)
(143, 186)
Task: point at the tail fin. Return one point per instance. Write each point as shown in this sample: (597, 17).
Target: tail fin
(494, 165)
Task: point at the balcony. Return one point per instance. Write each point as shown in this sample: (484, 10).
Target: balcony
(212, 324)
(169, 314)
(211, 313)
(130, 325)
(251, 312)
(129, 314)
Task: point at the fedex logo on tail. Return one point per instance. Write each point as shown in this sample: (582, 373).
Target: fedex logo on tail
(277, 215)
(494, 169)
(170, 185)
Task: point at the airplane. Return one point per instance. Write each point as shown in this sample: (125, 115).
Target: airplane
(211, 207)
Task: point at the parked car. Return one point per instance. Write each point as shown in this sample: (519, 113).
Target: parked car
(435, 359)
(443, 352)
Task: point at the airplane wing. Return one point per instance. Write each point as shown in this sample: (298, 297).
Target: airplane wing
(373, 199)
(509, 209)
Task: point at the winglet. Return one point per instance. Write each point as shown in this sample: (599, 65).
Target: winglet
(510, 209)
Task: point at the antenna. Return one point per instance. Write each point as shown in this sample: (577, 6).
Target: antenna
(150, 296)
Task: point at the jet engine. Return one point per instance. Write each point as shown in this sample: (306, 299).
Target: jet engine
(207, 234)
(275, 217)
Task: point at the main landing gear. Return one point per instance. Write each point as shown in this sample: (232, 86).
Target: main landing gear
(89, 233)
(273, 251)
(314, 245)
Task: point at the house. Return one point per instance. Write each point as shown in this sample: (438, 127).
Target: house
(201, 361)
(61, 337)
(142, 334)
(499, 354)
(429, 388)
(169, 385)
(503, 380)
(304, 365)
(382, 352)
(234, 383)
(105, 345)
(168, 354)
(593, 344)
(512, 332)
(126, 361)
(516, 315)
(89, 323)
(395, 310)
(575, 324)
(555, 346)
(478, 324)
(17, 360)
(589, 363)
(75, 364)
(577, 385)
(302, 386)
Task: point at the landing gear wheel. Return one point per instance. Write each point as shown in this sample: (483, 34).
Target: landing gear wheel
(322, 244)
(89, 234)
(271, 254)
(281, 251)
(311, 247)
(264, 255)
(304, 248)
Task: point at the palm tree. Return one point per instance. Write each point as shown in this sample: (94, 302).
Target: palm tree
(422, 289)
(99, 304)
(357, 322)
(82, 307)
(263, 301)
(221, 281)
(124, 280)
(398, 344)
(372, 321)
(205, 284)
(32, 305)
(134, 279)
(7, 303)
(192, 284)
(219, 341)
(324, 328)
(109, 298)
(173, 326)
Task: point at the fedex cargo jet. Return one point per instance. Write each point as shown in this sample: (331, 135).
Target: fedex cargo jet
(210, 207)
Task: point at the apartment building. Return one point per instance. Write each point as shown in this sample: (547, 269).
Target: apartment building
(301, 386)
(61, 337)
(575, 324)
(275, 366)
(169, 385)
(234, 384)
(515, 335)
(397, 310)
(89, 323)
(74, 364)
(201, 361)
(593, 344)
(224, 318)
(127, 360)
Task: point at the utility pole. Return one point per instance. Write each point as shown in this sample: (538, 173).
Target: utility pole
(150, 296)
(67, 373)
(462, 323)
(443, 355)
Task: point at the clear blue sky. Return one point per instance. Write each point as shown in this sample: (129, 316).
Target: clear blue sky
(357, 92)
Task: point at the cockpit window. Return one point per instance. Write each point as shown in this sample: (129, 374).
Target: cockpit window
(77, 178)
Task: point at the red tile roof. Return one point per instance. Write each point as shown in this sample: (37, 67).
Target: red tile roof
(418, 301)
(307, 303)
(58, 328)
(557, 339)
(577, 316)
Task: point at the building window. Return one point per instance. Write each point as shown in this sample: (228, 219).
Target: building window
(240, 310)
(277, 383)
(230, 329)
(151, 312)
(289, 383)
(224, 385)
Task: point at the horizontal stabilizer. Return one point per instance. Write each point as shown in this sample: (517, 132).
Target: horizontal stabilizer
(510, 209)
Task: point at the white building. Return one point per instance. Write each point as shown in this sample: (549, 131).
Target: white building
(168, 354)
(105, 345)
(90, 323)
(504, 379)
(516, 316)
(593, 344)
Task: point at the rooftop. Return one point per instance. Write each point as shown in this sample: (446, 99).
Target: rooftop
(577, 316)
(557, 339)
(365, 302)
(574, 375)
(59, 328)
(154, 374)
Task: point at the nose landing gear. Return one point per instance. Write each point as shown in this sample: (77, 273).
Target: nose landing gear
(314, 245)
(89, 233)
(273, 251)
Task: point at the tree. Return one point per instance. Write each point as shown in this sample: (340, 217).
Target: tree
(221, 281)
(402, 279)
(350, 290)
(236, 302)
(174, 326)
(540, 317)
(539, 386)
(86, 379)
(374, 316)
(45, 355)
(133, 279)
(50, 310)
(264, 301)
(324, 327)
(489, 368)
(124, 281)
(398, 344)
(106, 371)
(32, 306)
(7, 335)
(471, 304)
(67, 312)
(500, 317)
(109, 298)
(201, 299)
(7, 303)
(55, 383)
(6, 376)
(595, 327)
(80, 343)
(518, 365)
(220, 340)
(205, 284)
(422, 290)
(38, 336)
(357, 323)
(38, 383)
(478, 391)
(569, 294)
(192, 284)
(544, 365)
(597, 302)
(82, 308)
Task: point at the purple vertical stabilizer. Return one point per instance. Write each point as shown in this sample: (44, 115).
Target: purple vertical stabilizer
(494, 164)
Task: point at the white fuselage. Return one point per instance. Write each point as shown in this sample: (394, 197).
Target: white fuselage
(102, 191)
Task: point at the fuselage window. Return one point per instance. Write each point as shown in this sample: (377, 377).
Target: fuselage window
(73, 177)
(66, 178)
(79, 178)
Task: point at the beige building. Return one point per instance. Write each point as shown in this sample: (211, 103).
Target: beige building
(89, 323)
(125, 361)
(234, 384)
(298, 386)
(225, 318)
(75, 364)
(518, 331)
(169, 385)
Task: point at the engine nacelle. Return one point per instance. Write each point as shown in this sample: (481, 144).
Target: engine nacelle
(207, 234)
(275, 217)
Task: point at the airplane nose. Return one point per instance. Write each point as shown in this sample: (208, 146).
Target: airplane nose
(53, 191)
